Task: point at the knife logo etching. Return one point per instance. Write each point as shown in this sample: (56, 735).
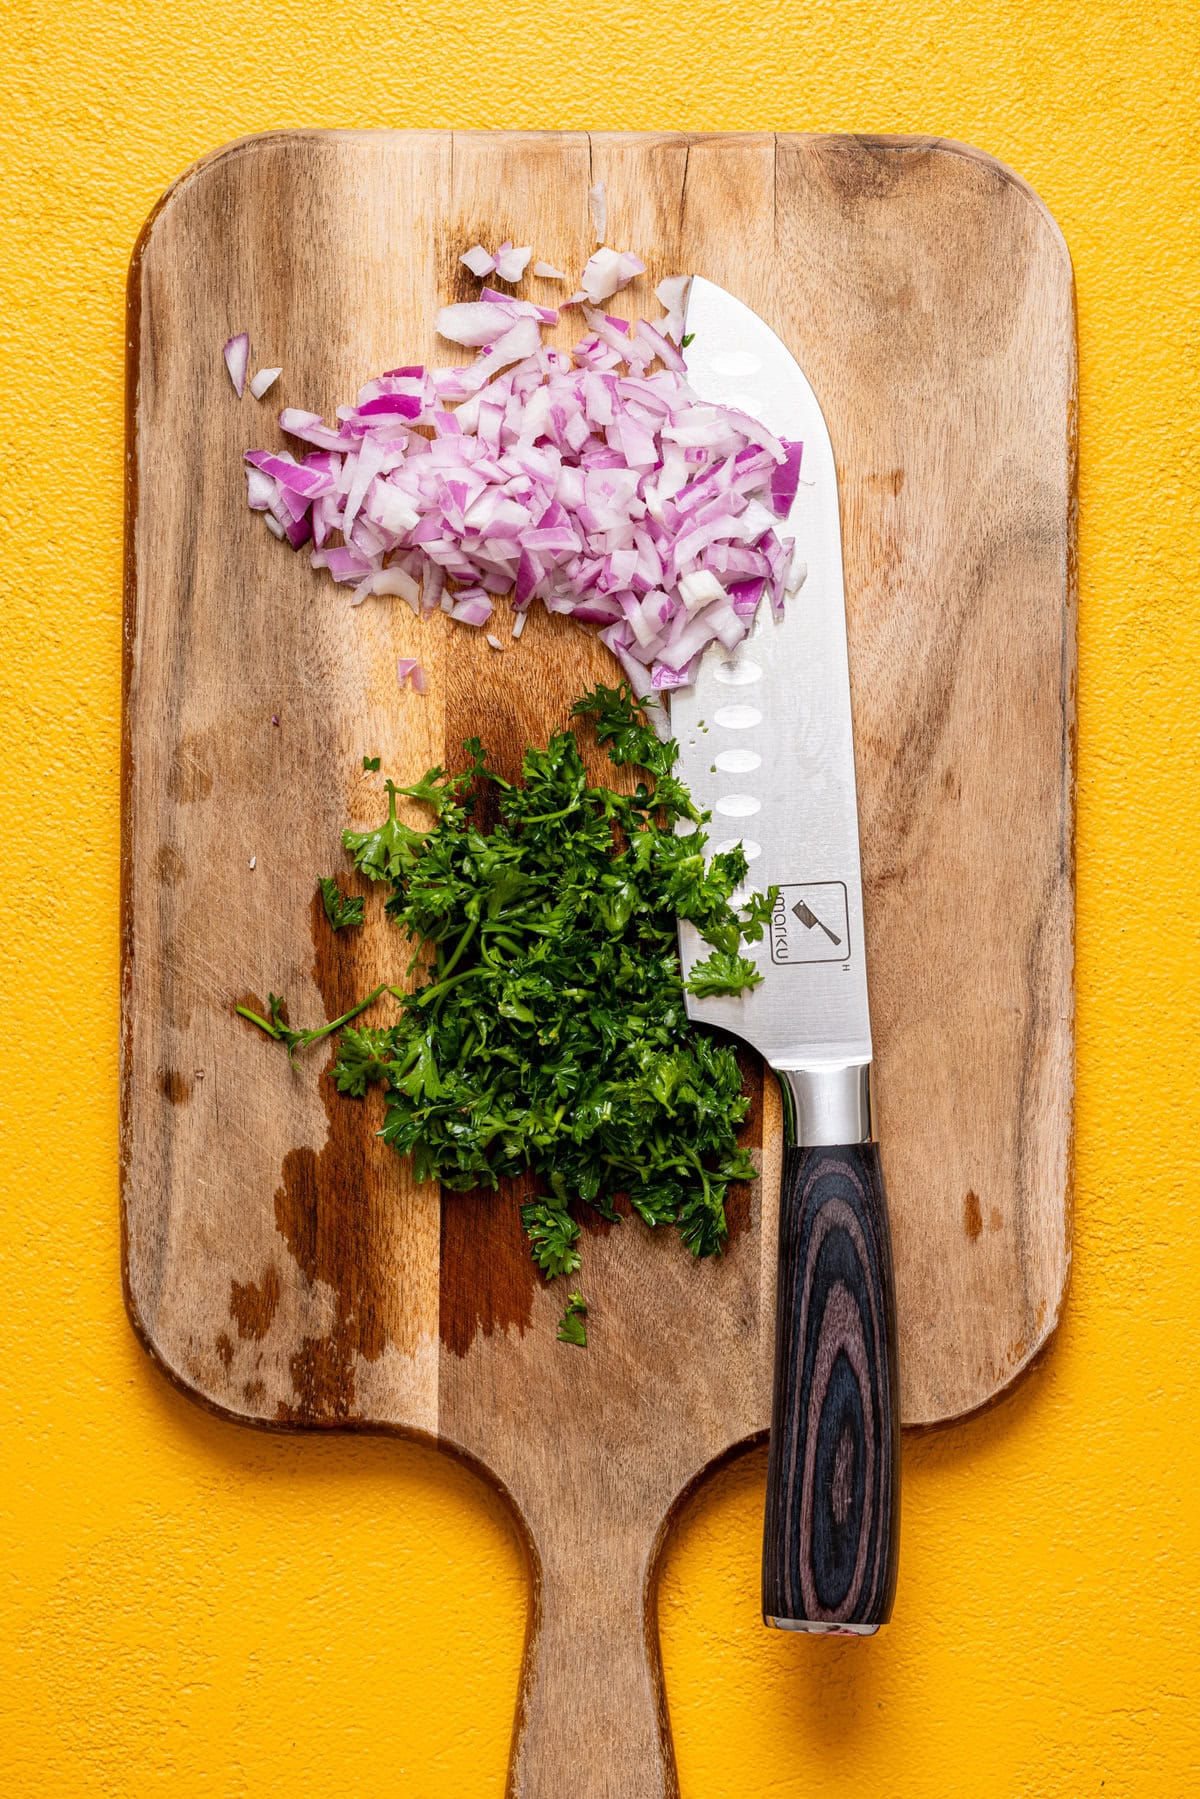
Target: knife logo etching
(810, 923)
(808, 918)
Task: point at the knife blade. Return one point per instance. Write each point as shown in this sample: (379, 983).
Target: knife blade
(766, 745)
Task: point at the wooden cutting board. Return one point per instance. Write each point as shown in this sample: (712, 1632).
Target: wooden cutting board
(279, 1262)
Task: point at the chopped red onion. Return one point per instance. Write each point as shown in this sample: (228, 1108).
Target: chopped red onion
(548, 272)
(237, 360)
(264, 379)
(596, 482)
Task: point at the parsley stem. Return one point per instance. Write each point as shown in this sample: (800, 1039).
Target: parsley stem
(443, 986)
(461, 946)
(549, 818)
(262, 1023)
(301, 1039)
(337, 1023)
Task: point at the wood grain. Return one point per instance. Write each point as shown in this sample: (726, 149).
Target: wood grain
(282, 1265)
(831, 1533)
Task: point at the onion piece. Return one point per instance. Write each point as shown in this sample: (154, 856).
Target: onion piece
(478, 260)
(472, 607)
(259, 490)
(520, 309)
(608, 271)
(511, 263)
(473, 323)
(699, 589)
(672, 294)
(237, 359)
(397, 581)
(264, 379)
(548, 272)
(785, 478)
(308, 483)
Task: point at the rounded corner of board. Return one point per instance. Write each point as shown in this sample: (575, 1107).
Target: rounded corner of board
(191, 1388)
(196, 173)
(186, 1382)
(1005, 1382)
(1007, 176)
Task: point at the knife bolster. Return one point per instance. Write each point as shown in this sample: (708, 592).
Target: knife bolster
(827, 1105)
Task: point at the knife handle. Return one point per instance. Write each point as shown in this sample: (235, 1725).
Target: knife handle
(833, 1480)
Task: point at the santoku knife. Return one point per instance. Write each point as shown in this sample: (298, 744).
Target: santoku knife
(766, 745)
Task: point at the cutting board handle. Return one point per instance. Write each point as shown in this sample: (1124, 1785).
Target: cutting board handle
(591, 1714)
(833, 1479)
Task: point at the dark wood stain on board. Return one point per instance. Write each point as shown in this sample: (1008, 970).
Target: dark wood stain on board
(169, 865)
(488, 1277)
(253, 1304)
(327, 1205)
(174, 1086)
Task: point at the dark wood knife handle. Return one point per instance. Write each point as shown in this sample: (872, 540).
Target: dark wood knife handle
(833, 1488)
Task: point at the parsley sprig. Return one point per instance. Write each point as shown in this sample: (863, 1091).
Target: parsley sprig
(341, 909)
(276, 1025)
(572, 1328)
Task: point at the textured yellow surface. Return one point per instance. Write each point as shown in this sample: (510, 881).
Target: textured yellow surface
(191, 1609)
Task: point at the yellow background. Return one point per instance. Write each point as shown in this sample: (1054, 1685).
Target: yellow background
(188, 1608)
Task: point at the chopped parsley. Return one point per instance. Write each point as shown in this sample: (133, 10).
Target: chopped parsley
(371, 764)
(549, 1035)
